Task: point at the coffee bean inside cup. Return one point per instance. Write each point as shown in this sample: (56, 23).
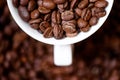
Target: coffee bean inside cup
(61, 18)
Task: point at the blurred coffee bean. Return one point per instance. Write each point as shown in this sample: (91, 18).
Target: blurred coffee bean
(24, 13)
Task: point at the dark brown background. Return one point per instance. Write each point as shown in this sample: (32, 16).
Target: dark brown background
(23, 58)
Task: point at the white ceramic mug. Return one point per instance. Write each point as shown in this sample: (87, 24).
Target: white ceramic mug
(62, 47)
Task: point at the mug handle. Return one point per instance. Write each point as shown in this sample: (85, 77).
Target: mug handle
(62, 55)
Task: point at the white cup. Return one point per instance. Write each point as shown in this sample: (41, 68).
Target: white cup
(62, 47)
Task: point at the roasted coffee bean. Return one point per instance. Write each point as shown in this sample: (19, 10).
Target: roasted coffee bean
(62, 7)
(31, 5)
(93, 0)
(101, 3)
(35, 14)
(49, 4)
(15, 3)
(35, 25)
(67, 15)
(40, 2)
(24, 14)
(59, 1)
(78, 11)
(72, 34)
(43, 10)
(82, 23)
(91, 5)
(85, 29)
(35, 21)
(99, 12)
(73, 3)
(24, 2)
(47, 17)
(83, 4)
(71, 21)
(86, 14)
(43, 25)
(48, 32)
(93, 21)
(58, 31)
(56, 17)
(69, 27)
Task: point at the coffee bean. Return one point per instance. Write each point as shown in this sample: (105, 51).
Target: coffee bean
(31, 5)
(48, 32)
(73, 4)
(47, 17)
(43, 25)
(69, 27)
(24, 14)
(78, 11)
(91, 5)
(67, 15)
(40, 2)
(86, 14)
(24, 2)
(54, 17)
(93, 21)
(99, 12)
(62, 7)
(85, 29)
(72, 34)
(35, 21)
(59, 1)
(43, 10)
(35, 14)
(82, 23)
(58, 17)
(101, 3)
(83, 4)
(49, 4)
(58, 31)
(35, 25)
(15, 3)
(93, 0)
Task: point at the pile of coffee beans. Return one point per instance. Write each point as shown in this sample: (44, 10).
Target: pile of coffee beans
(61, 18)
(23, 58)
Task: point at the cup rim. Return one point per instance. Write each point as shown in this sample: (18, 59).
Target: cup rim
(38, 36)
